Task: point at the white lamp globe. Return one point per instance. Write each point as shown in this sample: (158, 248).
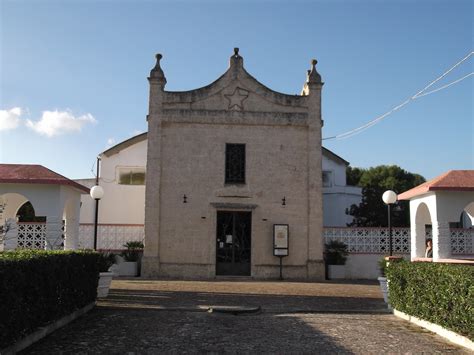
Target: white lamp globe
(389, 197)
(97, 192)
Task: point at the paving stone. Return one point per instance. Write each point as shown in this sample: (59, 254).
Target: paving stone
(169, 317)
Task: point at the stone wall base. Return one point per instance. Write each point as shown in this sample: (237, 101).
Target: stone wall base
(152, 268)
(316, 270)
(188, 271)
(290, 272)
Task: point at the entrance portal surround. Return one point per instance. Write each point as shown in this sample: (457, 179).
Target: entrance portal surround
(233, 243)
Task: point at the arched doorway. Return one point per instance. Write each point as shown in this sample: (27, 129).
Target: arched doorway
(26, 213)
(421, 229)
(10, 205)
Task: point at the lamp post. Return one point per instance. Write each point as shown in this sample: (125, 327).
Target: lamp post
(389, 198)
(97, 192)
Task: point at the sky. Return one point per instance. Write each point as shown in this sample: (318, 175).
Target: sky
(73, 74)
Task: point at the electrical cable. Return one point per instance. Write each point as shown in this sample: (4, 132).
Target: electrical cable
(446, 86)
(107, 181)
(419, 94)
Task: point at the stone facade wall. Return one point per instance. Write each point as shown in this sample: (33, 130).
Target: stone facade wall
(275, 168)
(187, 136)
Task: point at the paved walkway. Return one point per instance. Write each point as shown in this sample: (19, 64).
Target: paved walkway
(148, 317)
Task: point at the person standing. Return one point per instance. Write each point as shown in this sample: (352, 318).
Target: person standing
(429, 248)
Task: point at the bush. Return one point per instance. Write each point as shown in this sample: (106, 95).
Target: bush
(383, 267)
(105, 260)
(39, 287)
(336, 253)
(133, 251)
(439, 293)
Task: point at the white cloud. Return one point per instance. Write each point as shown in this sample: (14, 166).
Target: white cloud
(110, 142)
(137, 132)
(53, 123)
(10, 119)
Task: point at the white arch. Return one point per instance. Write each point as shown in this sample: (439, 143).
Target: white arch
(420, 217)
(71, 214)
(11, 203)
(468, 216)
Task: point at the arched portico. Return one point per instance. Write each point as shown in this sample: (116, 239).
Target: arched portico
(439, 201)
(467, 218)
(52, 196)
(420, 213)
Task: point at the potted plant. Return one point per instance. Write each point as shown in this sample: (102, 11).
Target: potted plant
(131, 256)
(336, 256)
(383, 279)
(105, 261)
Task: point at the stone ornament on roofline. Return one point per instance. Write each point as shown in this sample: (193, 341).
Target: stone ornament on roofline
(313, 76)
(237, 98)
(236, 59)
(157, 73)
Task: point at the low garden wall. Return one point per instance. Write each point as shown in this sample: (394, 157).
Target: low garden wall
(442, 294)
(366, 245)
(39, 287)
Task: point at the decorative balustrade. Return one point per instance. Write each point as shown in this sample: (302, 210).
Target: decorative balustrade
(462, 241)
(376, 240)
(370, 240)
(358, 240)
(31, 235)
(110, 236)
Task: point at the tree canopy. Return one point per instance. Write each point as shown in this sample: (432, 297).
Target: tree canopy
(372, 212)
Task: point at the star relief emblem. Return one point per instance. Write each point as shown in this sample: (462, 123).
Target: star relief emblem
(237, 98)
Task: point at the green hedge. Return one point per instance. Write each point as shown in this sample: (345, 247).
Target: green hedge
(439, 293)
(38, 287)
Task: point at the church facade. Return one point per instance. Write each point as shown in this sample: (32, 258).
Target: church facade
(225, 164)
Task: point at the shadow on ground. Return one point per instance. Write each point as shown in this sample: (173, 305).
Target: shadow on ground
(195, 301)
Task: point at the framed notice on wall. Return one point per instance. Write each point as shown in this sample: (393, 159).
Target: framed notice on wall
(280, 239)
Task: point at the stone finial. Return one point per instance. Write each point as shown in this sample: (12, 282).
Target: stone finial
(313, 75)
(236, 59)
(157, 73)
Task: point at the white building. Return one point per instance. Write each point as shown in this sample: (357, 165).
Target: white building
(337, 195)
(51, 197)
(440, 203)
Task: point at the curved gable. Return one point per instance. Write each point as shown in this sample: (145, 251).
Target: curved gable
(235, 90)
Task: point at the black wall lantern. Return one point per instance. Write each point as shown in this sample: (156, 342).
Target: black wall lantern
(283, 201)
(185, 199)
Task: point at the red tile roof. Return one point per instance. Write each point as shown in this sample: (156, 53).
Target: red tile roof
(35, 174)
(453, 180)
